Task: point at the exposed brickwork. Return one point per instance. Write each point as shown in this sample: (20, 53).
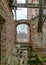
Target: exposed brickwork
(7, 33)
(31, 12)
(34, 1)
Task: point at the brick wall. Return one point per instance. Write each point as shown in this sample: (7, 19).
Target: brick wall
(7, 33)
(31, 12)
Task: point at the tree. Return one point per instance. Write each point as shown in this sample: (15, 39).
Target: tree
(41, 21)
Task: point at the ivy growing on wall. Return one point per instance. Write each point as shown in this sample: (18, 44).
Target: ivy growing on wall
(10, 3)
(35, 59)
(2, 21)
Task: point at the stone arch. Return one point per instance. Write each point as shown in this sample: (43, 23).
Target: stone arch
(28, 22)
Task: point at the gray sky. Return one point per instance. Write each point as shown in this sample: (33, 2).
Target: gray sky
(21, 1)
(22, 28)
(21, 13)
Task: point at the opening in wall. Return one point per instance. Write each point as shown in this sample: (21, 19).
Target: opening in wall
(22, 33)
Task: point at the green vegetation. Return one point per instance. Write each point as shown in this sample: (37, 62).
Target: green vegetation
(35, 59)
(44, 59)
(2, 20)
(10, 3)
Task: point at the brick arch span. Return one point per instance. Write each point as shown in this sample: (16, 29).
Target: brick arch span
(28, 22)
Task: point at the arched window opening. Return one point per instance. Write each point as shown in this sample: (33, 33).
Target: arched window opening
(22, 33)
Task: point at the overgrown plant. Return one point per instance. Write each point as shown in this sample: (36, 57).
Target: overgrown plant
(10, 3)
(35, 59)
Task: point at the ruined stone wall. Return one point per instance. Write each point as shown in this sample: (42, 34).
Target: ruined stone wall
(7, 33)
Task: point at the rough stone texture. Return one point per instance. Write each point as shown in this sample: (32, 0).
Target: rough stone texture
(7, 33)
(34, 1)
(31, 12)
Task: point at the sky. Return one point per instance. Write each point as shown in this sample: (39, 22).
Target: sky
(21, 1)
(22, 28)
(21, 14)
